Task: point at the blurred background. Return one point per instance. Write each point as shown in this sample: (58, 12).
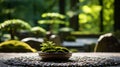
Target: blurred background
(77, 24)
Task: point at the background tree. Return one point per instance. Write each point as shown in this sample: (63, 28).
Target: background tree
(53, 19)
(14, 25)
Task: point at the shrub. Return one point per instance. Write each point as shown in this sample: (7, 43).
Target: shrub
(15, 46)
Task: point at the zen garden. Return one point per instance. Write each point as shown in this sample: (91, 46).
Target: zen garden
(59, 33)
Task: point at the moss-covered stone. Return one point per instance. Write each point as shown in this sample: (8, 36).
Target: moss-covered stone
(15, 46)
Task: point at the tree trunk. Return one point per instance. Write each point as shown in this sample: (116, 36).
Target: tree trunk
(74, 20)
(12, 34)
(62, 6)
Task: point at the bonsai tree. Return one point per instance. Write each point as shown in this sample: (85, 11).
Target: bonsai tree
(14, 25)
(51, 51)
(54, 19)
(50, 47)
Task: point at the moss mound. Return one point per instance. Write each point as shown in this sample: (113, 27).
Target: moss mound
(50, 47)
(15, 46)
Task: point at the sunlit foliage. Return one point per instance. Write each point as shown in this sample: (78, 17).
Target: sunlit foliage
(108, 10)
(89, 12)
(89, 17)
(38, 31)
(14, 25)
(53, 19)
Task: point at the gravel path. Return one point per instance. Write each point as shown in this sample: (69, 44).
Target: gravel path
(77, 60)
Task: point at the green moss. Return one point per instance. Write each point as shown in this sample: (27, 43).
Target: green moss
(50, 47)
(50, 51)
(15, 46)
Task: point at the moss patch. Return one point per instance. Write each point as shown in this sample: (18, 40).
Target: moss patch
(50, 47)
(15, 46)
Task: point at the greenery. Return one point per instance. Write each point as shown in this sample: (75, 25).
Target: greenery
(50, 47)
(108, 15)
(14, 25)
(88, 11)
(17, 9)
(39, 31)
(15, 46)
(89, 16)
(66, 29)
(54, 19)
(46, 15)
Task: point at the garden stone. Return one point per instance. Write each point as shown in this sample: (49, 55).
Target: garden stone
(107, 43)
(33, 42)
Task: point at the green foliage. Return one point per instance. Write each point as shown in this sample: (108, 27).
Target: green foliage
(89, 13)
(38, 30)
(17, 9)
(54, 19)
(15, 46)
(108, 12)
(66, 29)
(53, 15)
(89, 16)
(14, 25)
(50, 47)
